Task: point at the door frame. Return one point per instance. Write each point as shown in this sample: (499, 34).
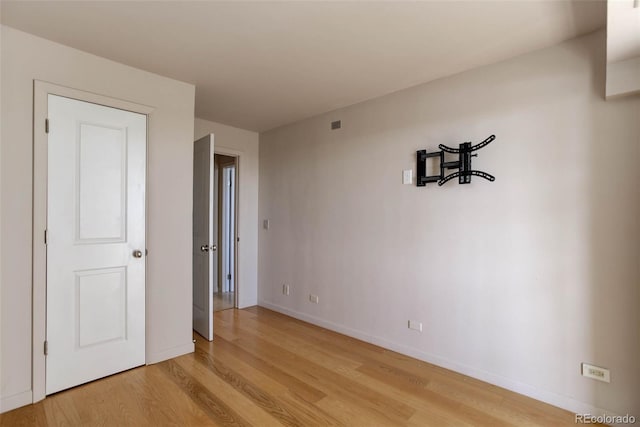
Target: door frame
(236, 252)
(41, 90)
(225, 207)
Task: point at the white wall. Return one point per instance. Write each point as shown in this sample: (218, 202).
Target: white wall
(623, 48)
(516, 282)
(623, 78)
(231, 140)
(25, 58)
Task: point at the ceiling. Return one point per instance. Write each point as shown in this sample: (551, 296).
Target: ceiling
(260, 65)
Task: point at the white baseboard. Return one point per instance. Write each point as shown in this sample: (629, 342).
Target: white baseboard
(247, 305)
(551, 398)
(170, 353)
(7, 403)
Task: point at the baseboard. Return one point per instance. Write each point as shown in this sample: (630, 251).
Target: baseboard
(551, 398)
(242, 307)
(7, 403)
(170, 353)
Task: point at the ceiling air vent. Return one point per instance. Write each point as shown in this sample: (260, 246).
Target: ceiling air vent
(336, 125)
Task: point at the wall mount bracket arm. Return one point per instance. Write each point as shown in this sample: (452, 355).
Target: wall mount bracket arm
(463, 164)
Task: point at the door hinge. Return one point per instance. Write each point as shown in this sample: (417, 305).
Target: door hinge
(46, 348)
(229, 276)
(45, 236)
(46, 125)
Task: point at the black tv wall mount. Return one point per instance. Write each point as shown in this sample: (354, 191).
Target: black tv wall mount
(463, 164)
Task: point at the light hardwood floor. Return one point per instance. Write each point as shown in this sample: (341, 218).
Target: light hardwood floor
(223, 300)
(266, 369)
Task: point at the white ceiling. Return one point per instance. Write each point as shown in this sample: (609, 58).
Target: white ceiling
(259, 65)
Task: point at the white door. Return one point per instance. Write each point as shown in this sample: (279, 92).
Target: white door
(205, 236)
(95, 242)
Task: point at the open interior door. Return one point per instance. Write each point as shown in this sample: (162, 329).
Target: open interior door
(205, 237)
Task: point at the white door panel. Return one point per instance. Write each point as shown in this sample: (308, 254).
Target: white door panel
(205, 233)
(95, 222)
(102, 177)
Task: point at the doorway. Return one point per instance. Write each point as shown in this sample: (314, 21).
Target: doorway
(225, 292)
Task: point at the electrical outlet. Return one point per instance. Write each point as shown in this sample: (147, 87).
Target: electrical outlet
(416, 326)
(596, 372)
(313, 298)
(285, 289)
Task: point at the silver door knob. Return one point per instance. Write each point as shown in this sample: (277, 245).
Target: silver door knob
(137, 253)
(214, 248)
(204, 248)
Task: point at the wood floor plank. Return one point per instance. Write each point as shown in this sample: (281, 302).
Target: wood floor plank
(348, 347)
(427, 400)
(235, 401)
(281, 376)
(437, 418)
(353, 415)
(97, 411)
(484, 402)
(273, 397)
(215, 408)
(159, 402)
(538, 412)
(304, 347)
(27, 416)
(266, 369)
(310, 414)
(62, 411)
(331, 382)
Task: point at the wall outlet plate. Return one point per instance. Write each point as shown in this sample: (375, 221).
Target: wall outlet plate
(416, 326)
(313, 298)
(285, 289)
(596, 372)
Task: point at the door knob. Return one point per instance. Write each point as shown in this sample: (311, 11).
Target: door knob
(214, 248)
(137, 253)
(204, 248)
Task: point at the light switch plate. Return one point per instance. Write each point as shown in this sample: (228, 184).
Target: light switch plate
(407, 176)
